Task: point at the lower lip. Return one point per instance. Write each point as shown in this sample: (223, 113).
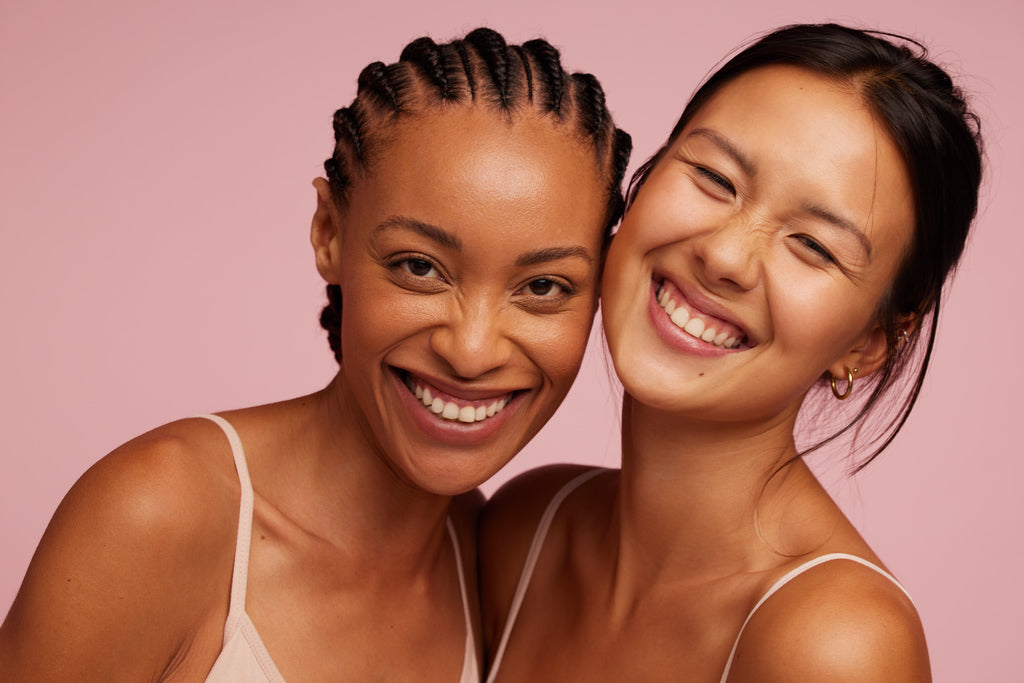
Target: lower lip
(453, 432)
(675, 337)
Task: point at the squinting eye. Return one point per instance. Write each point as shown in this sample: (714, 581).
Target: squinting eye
(816, 248)
(716, 179)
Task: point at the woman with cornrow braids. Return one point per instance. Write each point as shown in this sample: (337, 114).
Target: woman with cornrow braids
(460, 229)
(787, 246)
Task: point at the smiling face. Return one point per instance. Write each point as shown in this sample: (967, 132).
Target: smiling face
(756, 254)
(468, 259)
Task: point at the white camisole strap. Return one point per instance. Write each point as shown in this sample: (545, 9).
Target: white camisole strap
(792, 574)
(470, 667)
(239, 575)
(536, 545)
(238, 620)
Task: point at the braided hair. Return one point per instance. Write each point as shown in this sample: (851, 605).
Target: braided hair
(478, 69)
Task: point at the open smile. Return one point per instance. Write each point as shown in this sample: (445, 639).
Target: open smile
(454, 408)
(695, 322)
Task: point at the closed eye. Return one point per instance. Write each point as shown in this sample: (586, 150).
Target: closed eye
(715, 178)
(816, 248)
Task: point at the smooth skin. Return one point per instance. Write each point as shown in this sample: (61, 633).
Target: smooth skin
(468, 258)
(780, 212)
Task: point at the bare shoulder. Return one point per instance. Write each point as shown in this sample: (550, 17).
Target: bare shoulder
(837, 621)
(506, 529)
(130, 562)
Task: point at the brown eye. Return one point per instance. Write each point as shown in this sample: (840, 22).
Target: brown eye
(418, 267)
(541, 287)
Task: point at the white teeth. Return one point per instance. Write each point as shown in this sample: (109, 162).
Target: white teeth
(695, 327)
(449, 410)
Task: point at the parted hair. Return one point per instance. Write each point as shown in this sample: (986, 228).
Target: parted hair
(480, 69)
(938, 136)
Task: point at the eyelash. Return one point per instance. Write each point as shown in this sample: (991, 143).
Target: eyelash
(567, 289)
(809, 243)
(715, 178)
(815, 247)
(403, 265)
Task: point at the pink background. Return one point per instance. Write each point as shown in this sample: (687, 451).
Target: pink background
(155, 201)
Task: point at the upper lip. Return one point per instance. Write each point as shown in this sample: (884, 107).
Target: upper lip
(698, 300)
(459, 390)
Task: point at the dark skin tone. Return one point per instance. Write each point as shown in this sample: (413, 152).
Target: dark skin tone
(352, 575)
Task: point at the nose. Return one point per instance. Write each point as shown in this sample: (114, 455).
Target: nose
(730, 254)
(474, 340)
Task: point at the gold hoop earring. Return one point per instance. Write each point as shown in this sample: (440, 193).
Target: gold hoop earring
(849, 384)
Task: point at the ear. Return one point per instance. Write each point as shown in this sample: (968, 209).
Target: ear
(870, 351)
(867, 354)
(325, 233)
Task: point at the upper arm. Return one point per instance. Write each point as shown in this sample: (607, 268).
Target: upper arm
(838, 623)
(506, 529)
(121, 571)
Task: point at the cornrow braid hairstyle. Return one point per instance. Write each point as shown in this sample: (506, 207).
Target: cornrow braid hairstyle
(481, 69)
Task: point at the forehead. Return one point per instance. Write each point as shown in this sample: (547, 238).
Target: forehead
(472, 164)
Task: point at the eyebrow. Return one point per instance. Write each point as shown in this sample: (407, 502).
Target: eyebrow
(748, 166)
(446, 239)
(432, 232)
(532, 258)
(842, 223)
(723, 143)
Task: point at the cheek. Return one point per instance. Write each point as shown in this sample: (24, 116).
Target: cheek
(824, 322)
(375, 318)
(556, 344)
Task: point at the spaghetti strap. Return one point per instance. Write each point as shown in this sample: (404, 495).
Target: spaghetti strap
(243, 655)
(792, 574)
(470, 667)
(240, 573)
(536, 545)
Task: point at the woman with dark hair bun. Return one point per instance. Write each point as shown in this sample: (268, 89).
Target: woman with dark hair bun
(460, 229)
(788, 245)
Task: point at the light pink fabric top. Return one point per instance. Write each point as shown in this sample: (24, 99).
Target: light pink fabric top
(243, 657)
(538, 542)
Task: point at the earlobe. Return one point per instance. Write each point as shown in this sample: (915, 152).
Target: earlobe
(325, 232)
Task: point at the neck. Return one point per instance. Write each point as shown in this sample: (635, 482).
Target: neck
(343, 491)
(696, 497)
